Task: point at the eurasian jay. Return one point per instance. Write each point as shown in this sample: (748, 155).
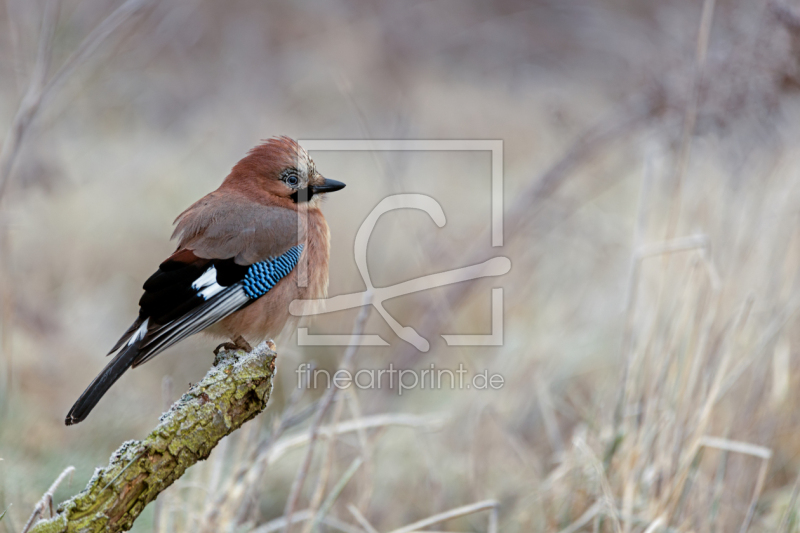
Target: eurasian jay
(235, 271)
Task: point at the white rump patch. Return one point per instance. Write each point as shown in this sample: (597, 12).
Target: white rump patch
(140, 333)
(207, 285)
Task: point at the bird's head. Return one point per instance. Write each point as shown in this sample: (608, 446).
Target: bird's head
(282, 168)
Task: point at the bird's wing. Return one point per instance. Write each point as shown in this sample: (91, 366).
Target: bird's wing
(189, 293)
(229, 224)
(231, 250)
(186, 295)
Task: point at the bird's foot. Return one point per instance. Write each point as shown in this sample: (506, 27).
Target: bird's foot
(224, 347)
(238, 343)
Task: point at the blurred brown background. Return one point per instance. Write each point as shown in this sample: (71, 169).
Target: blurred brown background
(625, 125)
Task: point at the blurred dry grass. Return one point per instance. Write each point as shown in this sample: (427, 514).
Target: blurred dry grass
(651, 337)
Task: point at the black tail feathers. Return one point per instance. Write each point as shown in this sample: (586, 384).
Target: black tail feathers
(97, 388)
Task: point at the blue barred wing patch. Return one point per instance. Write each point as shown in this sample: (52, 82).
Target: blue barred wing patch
(261, 277)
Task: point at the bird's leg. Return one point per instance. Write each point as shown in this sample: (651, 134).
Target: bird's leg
(242, 344)
(238, 343)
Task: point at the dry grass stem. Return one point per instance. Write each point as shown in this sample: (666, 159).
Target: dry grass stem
(300, 516)
(362, 521)
(336, 491)
(40, 88)
(46, 503)
(584, 519)
(449, 515)
(690, 118)
(322, 410)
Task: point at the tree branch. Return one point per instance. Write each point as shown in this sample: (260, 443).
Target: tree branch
(235, 390)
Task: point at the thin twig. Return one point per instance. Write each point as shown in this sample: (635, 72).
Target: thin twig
(92, 43)
(584, 519)
(690, 117)
(787, 513)
(366, 451)
(301, 516)
(16, 46)
(336, 491)
(604, 484)
(325, 471)
(29, 106)
(655, 525)
(322, 410)
(762, 452)
(682, 244)
(369, 422)
(361, 519)
(449, 515)
(47, 499)
(40, 89)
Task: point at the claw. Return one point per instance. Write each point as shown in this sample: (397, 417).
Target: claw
(238, 344)
(225, 346)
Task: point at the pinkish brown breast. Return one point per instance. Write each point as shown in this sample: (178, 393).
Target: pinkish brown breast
(266, 317)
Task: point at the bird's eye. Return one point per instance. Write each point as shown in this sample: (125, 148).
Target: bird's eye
(291, 180)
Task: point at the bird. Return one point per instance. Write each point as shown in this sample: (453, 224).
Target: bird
(245, 251)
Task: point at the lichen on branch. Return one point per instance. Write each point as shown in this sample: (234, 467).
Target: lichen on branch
(235, 390)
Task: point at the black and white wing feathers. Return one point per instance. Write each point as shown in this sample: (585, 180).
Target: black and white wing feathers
(186, 295)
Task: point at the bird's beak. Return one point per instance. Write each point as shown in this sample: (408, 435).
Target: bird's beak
(327, 186)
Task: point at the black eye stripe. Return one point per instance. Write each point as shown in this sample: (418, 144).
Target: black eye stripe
(302, 195)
